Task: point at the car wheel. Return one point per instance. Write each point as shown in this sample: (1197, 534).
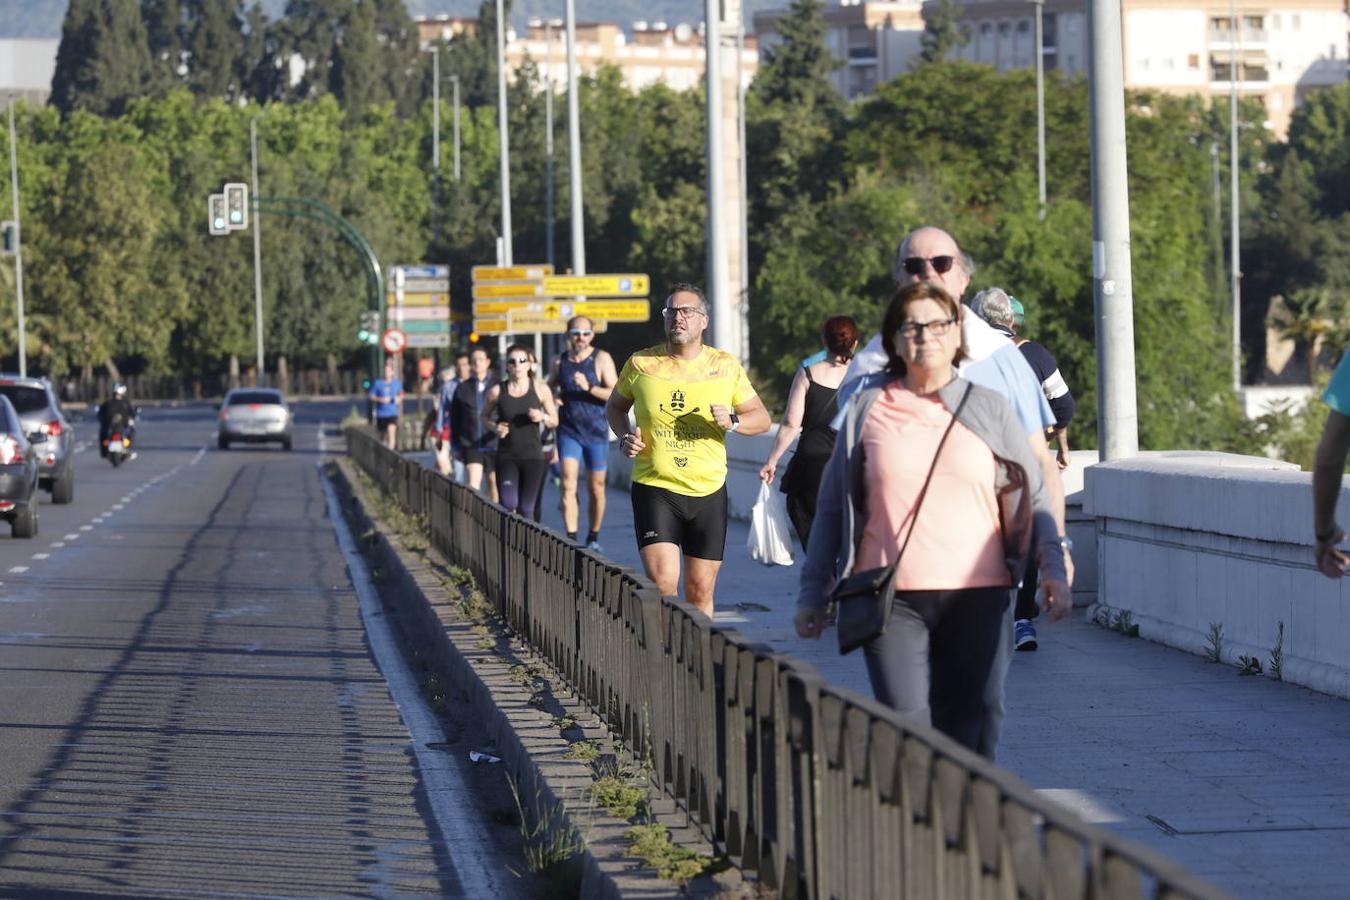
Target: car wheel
(222, 444)
(25, 524)
(63, 488)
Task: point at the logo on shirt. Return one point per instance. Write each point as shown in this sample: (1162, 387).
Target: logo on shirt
(681, 461)
(677, 401)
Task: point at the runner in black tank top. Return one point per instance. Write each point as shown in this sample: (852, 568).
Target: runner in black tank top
(521, 466)
(807, 468)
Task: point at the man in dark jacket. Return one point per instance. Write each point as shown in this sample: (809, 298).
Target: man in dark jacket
(474, 441)
(115, 413)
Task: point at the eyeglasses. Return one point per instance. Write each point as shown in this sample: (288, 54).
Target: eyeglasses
(914, 265)
(681, 312)
(579, 332)
(936, 328)
(516, 361)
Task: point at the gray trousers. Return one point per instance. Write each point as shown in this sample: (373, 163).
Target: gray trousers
(934, 663)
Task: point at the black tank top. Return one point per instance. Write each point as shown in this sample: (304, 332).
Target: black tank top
(817, 437)
(522, 441)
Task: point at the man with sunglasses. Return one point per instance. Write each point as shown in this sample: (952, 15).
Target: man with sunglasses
(993, 361)
(582, 379)
(687, 397)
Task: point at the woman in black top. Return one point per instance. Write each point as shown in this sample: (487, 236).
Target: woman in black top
(518, 408)
(810, 409)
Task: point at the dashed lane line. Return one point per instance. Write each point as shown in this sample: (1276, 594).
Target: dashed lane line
(17, 570)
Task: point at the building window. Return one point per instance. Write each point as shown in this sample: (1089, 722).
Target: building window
(1048, 30)
(1004, 29)
(1023, 26)
(1193, 61)
(986, 29)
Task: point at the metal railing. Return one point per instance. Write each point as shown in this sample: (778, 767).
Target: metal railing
(816, 790)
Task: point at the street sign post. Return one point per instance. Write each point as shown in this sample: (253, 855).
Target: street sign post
(553, 286)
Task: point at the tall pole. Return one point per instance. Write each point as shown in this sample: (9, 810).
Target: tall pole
(574, 145)
(743, 201)
(717, 254)
(436, 109)
(1118, 417)
(454, 83)
(504, 160)
(1040, 104)
(1234, 198)
(18, 240)
(548, 143)
(257, 251)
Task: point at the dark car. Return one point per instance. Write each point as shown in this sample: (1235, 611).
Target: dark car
(254, 415)
(18, 472)
(41, 414)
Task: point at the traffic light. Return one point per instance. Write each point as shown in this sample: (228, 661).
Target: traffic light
(365, 384)
(216, 220)
(9, 237)
(236, 205)
(369, 332)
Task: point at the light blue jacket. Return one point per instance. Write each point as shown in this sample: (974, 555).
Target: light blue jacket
(841, 506)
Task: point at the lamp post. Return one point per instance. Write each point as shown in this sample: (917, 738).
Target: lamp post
(1040, 104)
(257, 251)
(1234, 251)
(549, 25)
(574, 144)
(717, 252)
(18, 240)
(504, 157)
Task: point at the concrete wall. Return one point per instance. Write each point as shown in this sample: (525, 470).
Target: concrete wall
(1186, 541)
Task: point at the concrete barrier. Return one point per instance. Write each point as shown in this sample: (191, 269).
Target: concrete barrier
(1192, 542)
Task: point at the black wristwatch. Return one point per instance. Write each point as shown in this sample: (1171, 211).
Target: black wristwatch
(735, 423)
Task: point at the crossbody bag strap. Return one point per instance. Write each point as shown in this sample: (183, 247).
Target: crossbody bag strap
(923, 491)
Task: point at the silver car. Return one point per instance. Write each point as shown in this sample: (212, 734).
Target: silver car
(254, 415)
(41, 414)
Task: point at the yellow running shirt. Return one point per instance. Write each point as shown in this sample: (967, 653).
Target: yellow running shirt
(672, 399)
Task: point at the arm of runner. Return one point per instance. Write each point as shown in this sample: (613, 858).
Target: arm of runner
(605, 371)
(789, 428)
(616, 413)
(550, 414)
(754, 417)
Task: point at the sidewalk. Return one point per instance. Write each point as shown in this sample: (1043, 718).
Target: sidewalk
(1243, 780)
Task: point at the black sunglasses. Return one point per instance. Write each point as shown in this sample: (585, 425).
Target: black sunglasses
(914, 265)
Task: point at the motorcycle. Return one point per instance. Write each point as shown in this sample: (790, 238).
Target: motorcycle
(117, 445)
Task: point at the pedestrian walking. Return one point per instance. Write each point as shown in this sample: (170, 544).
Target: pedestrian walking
(387, 396)
(517, 408)
(448, 462)
(1328, 470)
(934, 474)
(995, 306)
(583, 377)
(810, 409)
(687, 398)
(474, 441)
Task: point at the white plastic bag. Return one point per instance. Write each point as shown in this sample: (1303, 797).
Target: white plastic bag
(770, 540)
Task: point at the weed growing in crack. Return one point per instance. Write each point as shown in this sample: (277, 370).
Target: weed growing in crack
(652, 844)
(1214, 643)
(1277, 654)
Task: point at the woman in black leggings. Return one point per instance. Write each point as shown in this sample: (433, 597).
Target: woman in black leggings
(518, 407)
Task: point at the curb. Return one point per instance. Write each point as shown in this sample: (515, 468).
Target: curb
(532, 749)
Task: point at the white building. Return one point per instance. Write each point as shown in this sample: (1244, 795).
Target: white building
(875, 41)
(26, 68)
(1283, 48)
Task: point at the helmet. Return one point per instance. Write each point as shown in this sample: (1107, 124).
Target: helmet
(119, 390)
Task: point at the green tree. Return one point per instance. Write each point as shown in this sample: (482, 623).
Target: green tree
(942, 32)
(103, 61)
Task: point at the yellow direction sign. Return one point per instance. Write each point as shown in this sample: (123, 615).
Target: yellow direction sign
(506, 290)
(527, 272)
(418, 300)
(596, 286)
(487, 308)
(611, 310)
(490, 326)
(525, 321)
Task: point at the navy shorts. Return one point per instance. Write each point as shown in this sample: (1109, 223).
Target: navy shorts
(697, 524)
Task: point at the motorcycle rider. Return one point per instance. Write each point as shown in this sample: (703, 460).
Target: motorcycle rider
(115, 414)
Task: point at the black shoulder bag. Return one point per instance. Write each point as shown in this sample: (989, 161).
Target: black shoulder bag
(863, 600)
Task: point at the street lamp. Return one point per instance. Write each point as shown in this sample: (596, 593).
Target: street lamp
(1040, 104)
(1234, 252)
(504, 150)
(549, 25)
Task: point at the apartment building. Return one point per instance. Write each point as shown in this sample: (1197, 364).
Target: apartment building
(876, 41)
(649, 53)
(1282, 48)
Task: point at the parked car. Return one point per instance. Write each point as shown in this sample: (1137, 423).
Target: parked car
(18, 472)
(39, 410)
(254, 415)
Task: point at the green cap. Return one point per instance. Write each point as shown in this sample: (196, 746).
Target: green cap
(1019, 311)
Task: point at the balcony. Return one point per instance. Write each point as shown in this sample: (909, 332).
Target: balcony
(1246, 36)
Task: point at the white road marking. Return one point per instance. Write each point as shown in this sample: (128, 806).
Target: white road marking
(71, 537)
(86, 527)
(126, 499)
(41, 556)
(198, 458)
(17, 570)
(117, 506)
(450, 797)
(57, 545)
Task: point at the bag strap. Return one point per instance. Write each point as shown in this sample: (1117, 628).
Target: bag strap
(923, 491)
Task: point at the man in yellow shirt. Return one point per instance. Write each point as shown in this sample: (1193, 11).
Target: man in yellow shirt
(687, 397)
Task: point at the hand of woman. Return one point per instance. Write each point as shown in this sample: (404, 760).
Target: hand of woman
(536, 415)
(810, 623)
(767, 473)
(1056, 598)
(503, 429)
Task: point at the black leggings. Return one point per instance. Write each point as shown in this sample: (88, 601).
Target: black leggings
(934, 660)
(519, 482)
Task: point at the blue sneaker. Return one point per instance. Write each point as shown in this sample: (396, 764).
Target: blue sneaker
(594, 546)
(1024, 635)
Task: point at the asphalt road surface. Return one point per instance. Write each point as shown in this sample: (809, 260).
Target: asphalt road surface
(189, 704)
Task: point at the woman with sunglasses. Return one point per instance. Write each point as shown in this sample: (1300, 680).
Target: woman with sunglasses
(810, 409)
(518, 407)
(935, 472)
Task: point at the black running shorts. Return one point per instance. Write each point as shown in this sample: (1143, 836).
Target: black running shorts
(697, 524)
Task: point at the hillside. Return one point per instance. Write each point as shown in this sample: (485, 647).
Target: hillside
(42, 18)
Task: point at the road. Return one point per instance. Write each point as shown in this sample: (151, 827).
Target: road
(189, 702)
